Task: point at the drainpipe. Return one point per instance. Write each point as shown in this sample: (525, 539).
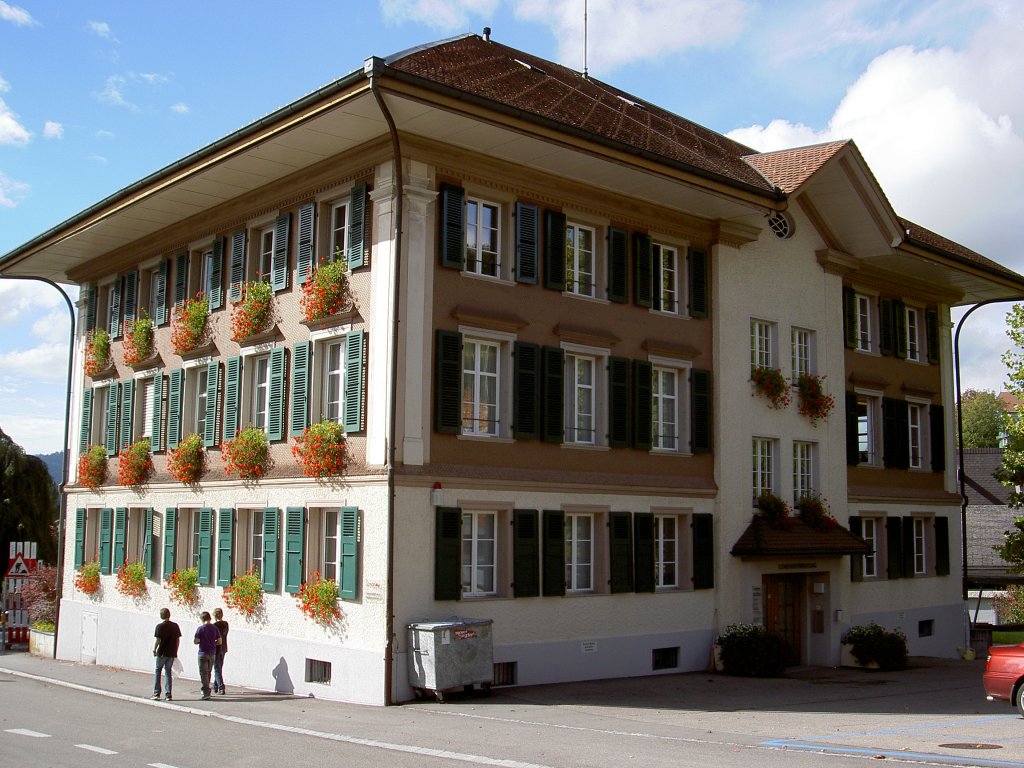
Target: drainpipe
(67, 449)
(372, 67)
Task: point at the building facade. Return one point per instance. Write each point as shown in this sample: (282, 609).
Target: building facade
(556, 299)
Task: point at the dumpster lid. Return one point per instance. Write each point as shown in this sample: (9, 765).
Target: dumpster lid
(448, 623)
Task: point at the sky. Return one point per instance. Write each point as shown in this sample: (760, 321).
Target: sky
(97, 94)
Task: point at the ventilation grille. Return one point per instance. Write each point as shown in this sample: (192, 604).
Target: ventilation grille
(665, 658)
(781, 225)
(318, 672)
(505, 673)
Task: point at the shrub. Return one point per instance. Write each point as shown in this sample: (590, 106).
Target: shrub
(248, 455)
(39, 592)
(320, 451)
(814, 403)
(188, 324)
(87, 579)
(138, 339)
(251, 314)
(774, 510)
(97, 352)
(187, 462)
(135, 464)
(92, 467)
(245, 595)
(813, 510)
(183, 586)
(749, 650)
(324, 293)
(1010, 605)
(872, 643)
(318, 599)
(770, 383)
(131, 579)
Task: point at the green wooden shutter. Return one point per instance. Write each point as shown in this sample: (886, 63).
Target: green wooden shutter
(156, 439)
(91, 298)
(895, 435)
(357, 227)
(205, 545)
(271, 533)
(886, 327)
(160, 300)
(212, 387)
(174, 383)
(170, 540)
(352, 406)
(554, 250)
(448, 382)
(931, 324)
(225, 546)
(856, 561)
(899, 329)
(526, 391)
(525, 553)
(700, 411)
(937, 436)
(114, 321)
(279, 260)
(127, 412)
(620, 552)
(85, 425)
(942, 546)
(618, 265)
(448, 553)
(113, 400)
(231, 383)
(643, 271)
(618, 402)
(120, 531)
(703, 540)
(553, 553)
(216, 297)
(552, 405)
(852, 439)
(908, 547)
(452, 248)
(275, 410)
(527, 242)
(180, 278)
(106, 533)
(294, 540)
(80, 518)
(304, 253)
(348, 566)
(894, 547)
(643, 388)
(131, 292)
(644, 556)
(147, 543)
(298, 417)
(850, 318)
(237, 266)
(698, 282)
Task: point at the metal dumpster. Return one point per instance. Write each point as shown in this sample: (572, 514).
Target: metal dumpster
(450, 654)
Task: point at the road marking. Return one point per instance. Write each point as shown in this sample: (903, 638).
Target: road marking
(160, 765)
(930, 758)
(98, 750)
(27, 732)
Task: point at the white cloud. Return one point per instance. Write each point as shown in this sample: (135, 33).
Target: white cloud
(21, 297)
(113, 93)
(11, 131)
(52, 130)
(98, 158)
(16, 15)
(102, 29)
(150, 78)
(11, 192)
(180, 108)
(4, 85)
(36, 434)
(52, 327)
(437, 14)
(102, 134)
(48, 362)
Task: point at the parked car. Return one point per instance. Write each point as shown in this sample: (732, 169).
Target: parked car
(1004, 674)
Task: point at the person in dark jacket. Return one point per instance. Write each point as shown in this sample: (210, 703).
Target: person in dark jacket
(165, 650)
(218, 661)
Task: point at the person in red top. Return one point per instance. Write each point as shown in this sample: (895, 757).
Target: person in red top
(207, 638)
(165, 650)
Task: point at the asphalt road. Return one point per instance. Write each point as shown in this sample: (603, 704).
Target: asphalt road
(60, 714)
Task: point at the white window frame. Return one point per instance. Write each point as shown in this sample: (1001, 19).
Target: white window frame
(579, 571)
(263, 247)
(504, 342)
(805, 467)
(763, 336)
(100, 408)
(802, 346)
(475, 546)
(257, 393)
(680, 430)
(111, 289)
(667, 259)
(249, 539)
(764, 456)
(868, 428)
(914, 333)
(666, 546)
(481, 388)
(575, 276)
(135, 534)
(335, 232)
(921, 547)
(872, 529)
(865, 305)
(476, 205)
(143, 410)
(598, 389)
(916, 429)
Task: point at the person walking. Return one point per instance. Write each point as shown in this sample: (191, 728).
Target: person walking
(207, 638)
(165, 650)
(222, 649)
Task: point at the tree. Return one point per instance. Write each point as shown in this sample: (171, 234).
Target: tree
(28, 500)
(1011, 471)
(983, 418)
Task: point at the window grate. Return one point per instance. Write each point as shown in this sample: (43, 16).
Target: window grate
(505, 673)
(318, 671)
(665, 658)
(925, 628)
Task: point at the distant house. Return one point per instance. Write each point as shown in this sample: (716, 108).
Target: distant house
(988, 516)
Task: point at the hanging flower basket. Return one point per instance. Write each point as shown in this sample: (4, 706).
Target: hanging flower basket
(187, 462)
(248, 455)
(135, 464)
(814, 403)
(774, 510)
(771, 384)
(184, 587)
(138, 339)
(87, 580)
(813, 511)
(252, 314)
(324, 293)
(97, 352)
(318, 599)
(188, 324)
(92, 467)
(245, 595)
(131, 579)
(320, 451)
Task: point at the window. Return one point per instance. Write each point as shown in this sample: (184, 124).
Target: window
(579, 259)
(332, 386)
(666, 533)
(201, 379)
(913, 334)
(802, 350)
(915, 431)
(867, 431)
(479, 553)
(259, 405)
(100, 415)
(265, 255)
(483, 237)
(144, 409)
(665, 409)
(157, 298)
(136, 539)
(870, 527)
(803, 469)
(338, 234)
(329, 546)
(480, 377)
(666, 264)
(579, 552)
(764, 466)
(863, 306)
(251, 521)
(113, 309)
(762, 344)
(329, 373)
(581, 424)
(920, 547)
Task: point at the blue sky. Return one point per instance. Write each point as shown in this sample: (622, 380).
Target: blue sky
(96, 94)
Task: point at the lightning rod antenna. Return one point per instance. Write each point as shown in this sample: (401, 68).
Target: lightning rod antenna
(585, 38)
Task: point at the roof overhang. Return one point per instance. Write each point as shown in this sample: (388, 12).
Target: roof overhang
(795, 538)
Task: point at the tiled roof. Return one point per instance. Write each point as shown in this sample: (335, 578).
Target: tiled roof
(788, 169)
(938, 242)
(762, 539)
(979, 466)
(985, 528)
(518, 81)
(1010, 402)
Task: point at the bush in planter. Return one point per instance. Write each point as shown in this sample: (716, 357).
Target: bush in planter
(184, 587)
(187, 462)
(774, 509)
(92, 467)
(138, 339)
(750, 650)
(97, 352)
(814, 403)
(251, 315)
(318, 599)
(188, 324)
(874, 644)
(131, 579)
(245, 595)
(135, 464)
(813, 510)
(39, 593)
(324, 292)
(87, 580)
(771, 384)
(320, 450)
(248, 455)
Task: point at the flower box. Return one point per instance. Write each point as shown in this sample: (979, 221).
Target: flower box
(41, 642)
(208, 349)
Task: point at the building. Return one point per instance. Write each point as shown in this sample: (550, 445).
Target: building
(556, 298)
